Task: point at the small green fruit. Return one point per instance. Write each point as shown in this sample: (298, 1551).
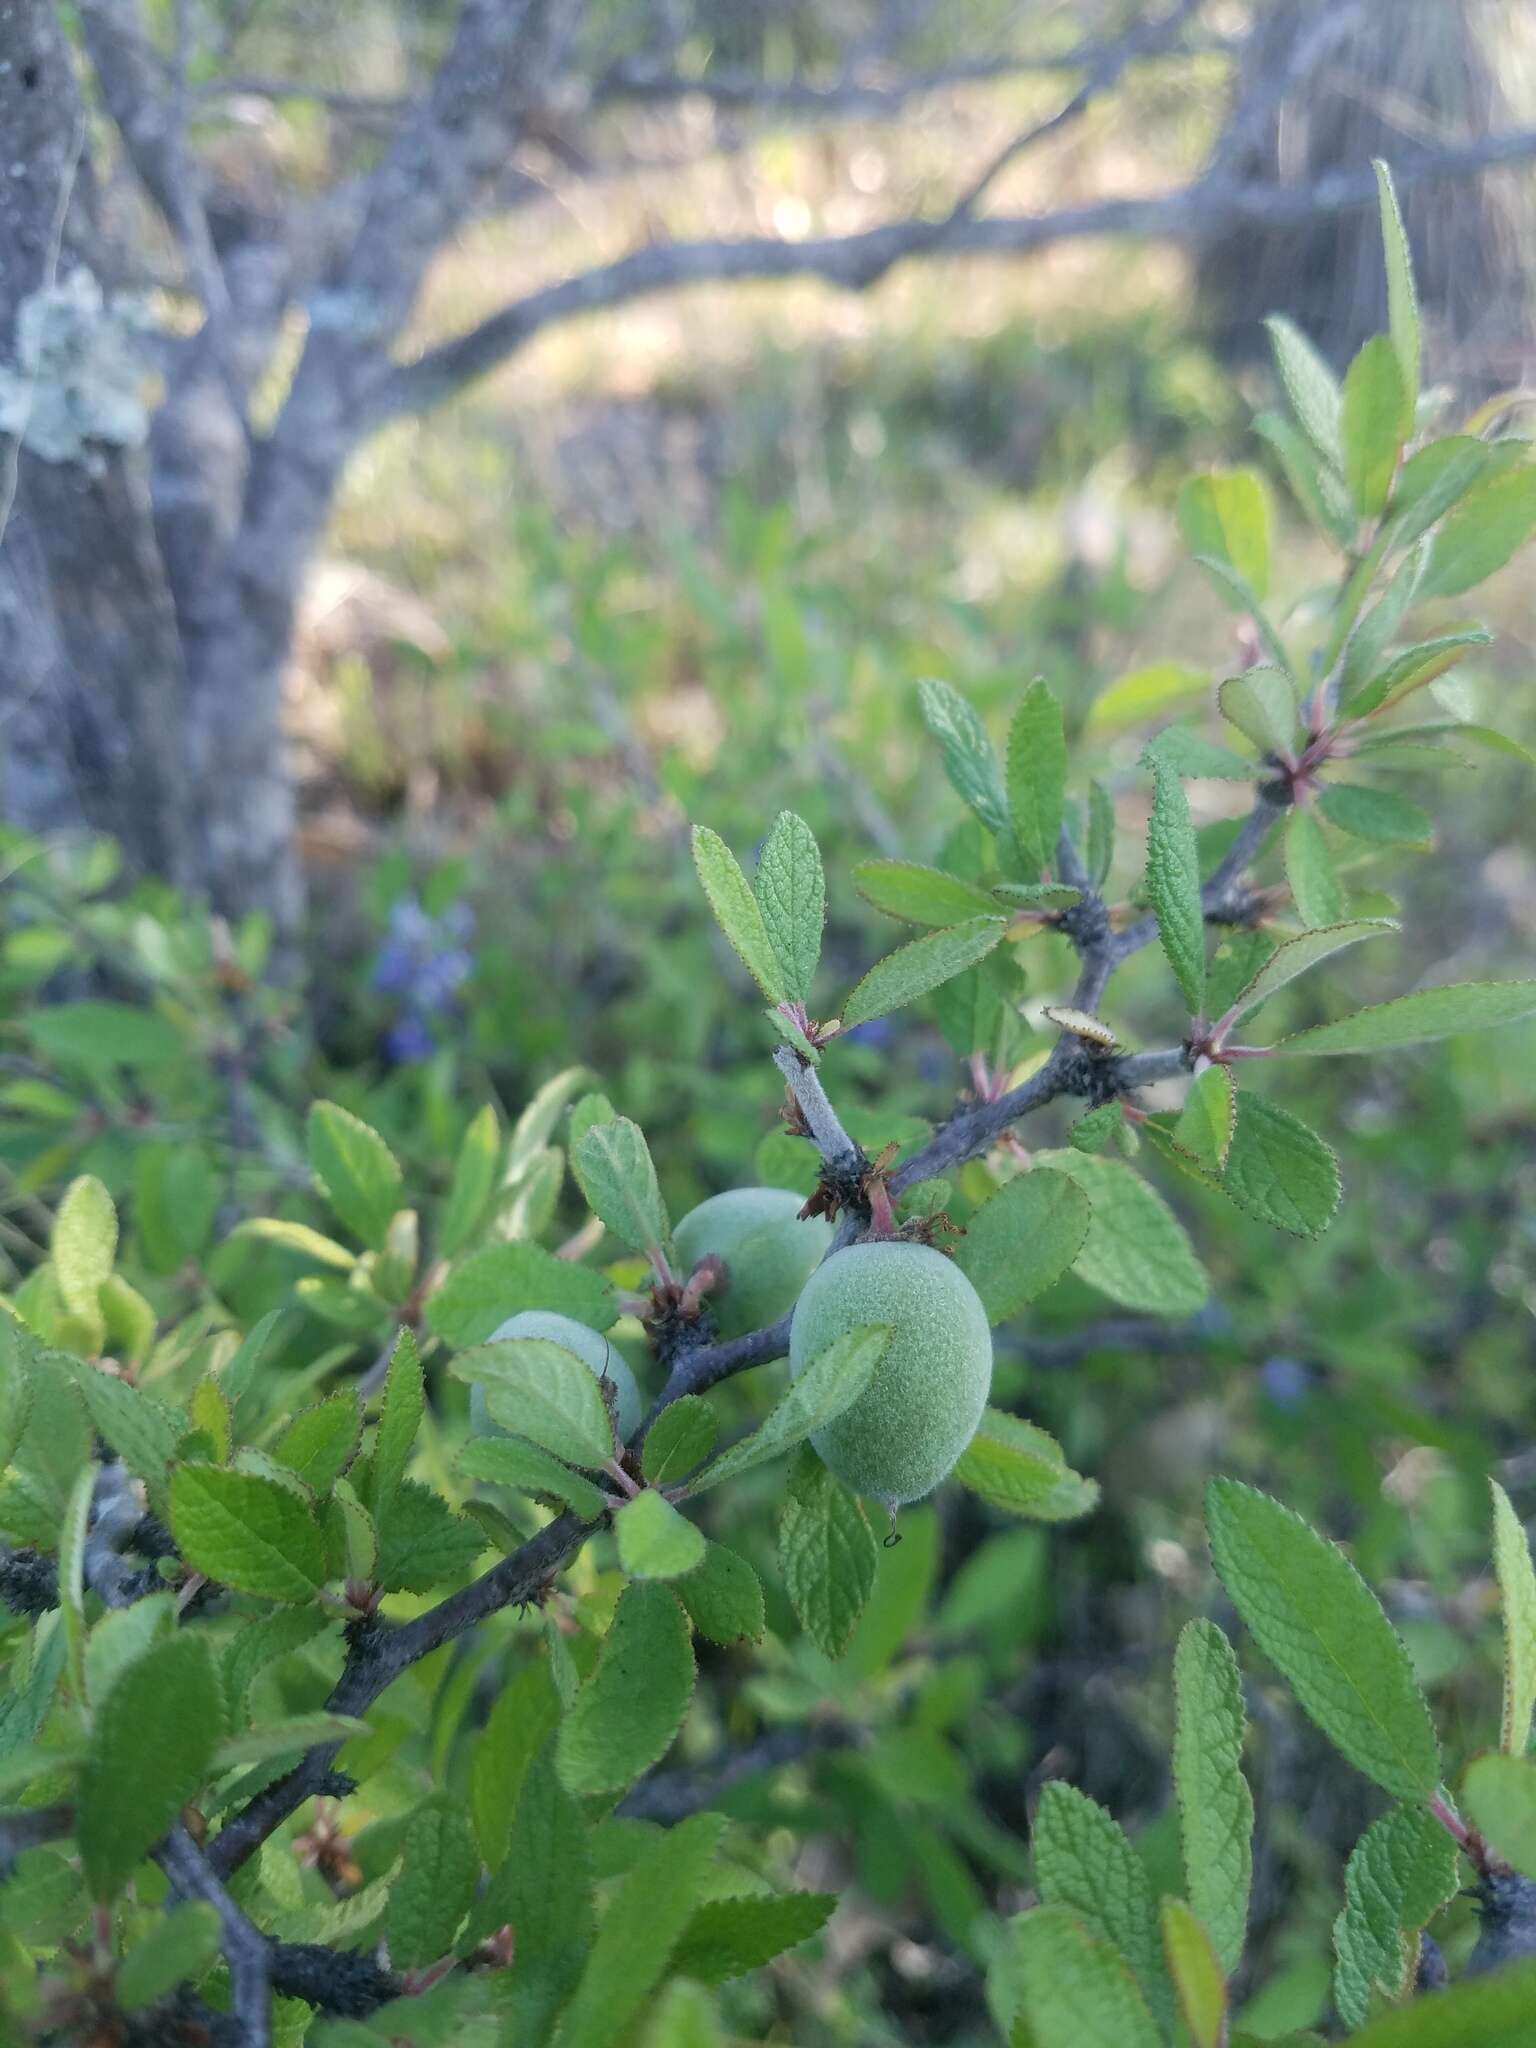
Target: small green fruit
(907, 1429)
(590, 1346)
(769, 1253)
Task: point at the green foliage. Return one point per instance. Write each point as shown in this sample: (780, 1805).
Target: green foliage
(1215, 1804)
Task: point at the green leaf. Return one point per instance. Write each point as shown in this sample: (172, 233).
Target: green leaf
(613, 1164)
(433, 1888)
(83, 1246)
(175, 1202)
(509, 1461)
(1198, 1979)
(1035, 895)
(919, 895)
(1076, 1990)
(354, 1169)
(152, 1739)
(298, 1237)
(1517, 1600)
(1226, 517)
(730, 1937)
(1314, 1616)
(539, 1390)
(912, 970)
(724, 1598)
(1097, 1129)
(1185, 753)
(1261, 703)
(1101, 833)
(969, 761)
(1037, 777)
(650, 1908)
(832, 1382)
(1017, 1468)
(179, 1948)
(1173, 884)
(1492, 2012)
(1136, 1251)
(1311, 387)
(502, 1280)
(474, 1179)
(320, 1442)
(792, 895)
(679, 1440)
(285, 1738)
(16, 1347)
(827, 1553)
(1434, 480)
(1376, 421)
(423, 1544)
(1205, 1123)
(1317, 485)
(542, 1890)
(1022, 1239)
(1083, 1860)
(247, 1532)
(95, 1035)
(627, 1714)
(1401, 1872)
(142, 1431)
(1402, 299)
(737, 912)
(1280, 1170)
(1309, 869)
(1376, 815)
(1419, 1019)
(1482, 533)
(1144, 694)
(1499, 1793)
(1215, 1804)
(526, 1714)
(1297, 956)
(655, 1541)
(536, 1126)
(399, 1420)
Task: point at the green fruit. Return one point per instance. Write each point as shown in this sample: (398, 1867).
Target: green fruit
(907, 1429)
(590, 1346)
(769, 1253)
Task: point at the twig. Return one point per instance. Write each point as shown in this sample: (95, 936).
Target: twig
(246, 1949)
(837, 1149)
(1219, 897)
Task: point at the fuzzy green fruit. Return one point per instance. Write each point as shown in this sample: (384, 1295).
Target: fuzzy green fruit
(908, 1428)
(590, 1346)
(769, 1253)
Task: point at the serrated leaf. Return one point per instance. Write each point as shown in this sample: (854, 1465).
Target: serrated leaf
(724, 1597)
(423, 1544)
(1312, 388)
(1376, 815)
(831, 1383)
(1432, 481)
(1215, 1804)
(792, 895)
(1401, 1872)
(542, 1889)
(627, 1714)
(298, 1237)
(1225, 515)
(1309, 869)
(537, 1124)
(433, 1888)
(1419, 1019)
(1279, 1169)
(1017, 1468)
(678, 1441)
(912, 970)
(319, 1442)
(354, 1169)
(1101, 833)
(502, 1280)
(474, 1180)
(1376, 420)
(1402, 298)
(510, 1461)
(399, 1420)
(1296, 956)
(1317, 485)
(1076, 1990)
(179, 1948)
(827, 1553)
(152, 1739)
(1173, 884)
(1097, 1129)
(1261, 703)
(1492, 2012)
(1517, 1601)
(526, 1714)
(1022, 1239)
(1314, 1616)
(288, 1737)
(737, 912)
(83, 1246)
(613, 1164)
(1486, 530)
(921, 895)
(969, 761)
(1145, 693)
(1198, 1979)
(1205, 1123)
(655, 1541)
(1037, 777)
(1187, 753)
(248, 1532)
(729, 1937)
(1136, 1251)
(1083, 1860)
(1499, 1793)
(142, 1431)
(539, 1390)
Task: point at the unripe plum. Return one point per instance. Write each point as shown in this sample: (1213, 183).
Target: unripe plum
(590, 1346)
(908, 1428)
(769, 1253)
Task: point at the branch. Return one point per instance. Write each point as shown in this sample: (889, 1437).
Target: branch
(1221, 898)
(858, 261)
(837, 1149)
(246, 1949)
